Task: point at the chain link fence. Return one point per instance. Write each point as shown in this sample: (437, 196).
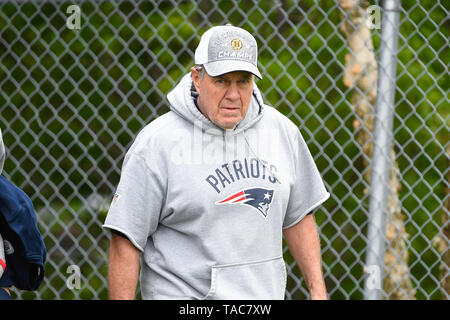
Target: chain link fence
(74, 96)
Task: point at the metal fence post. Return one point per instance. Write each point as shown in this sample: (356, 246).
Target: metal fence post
(384, 108)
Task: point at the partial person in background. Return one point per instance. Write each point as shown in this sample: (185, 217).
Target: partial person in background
(22, 249)
(4, 292)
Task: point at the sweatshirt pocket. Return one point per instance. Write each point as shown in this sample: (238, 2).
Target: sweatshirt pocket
(259, 280)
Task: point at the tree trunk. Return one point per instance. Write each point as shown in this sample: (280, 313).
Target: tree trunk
(361, 75)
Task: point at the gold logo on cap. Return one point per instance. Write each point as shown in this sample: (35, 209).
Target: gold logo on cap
(236, 44)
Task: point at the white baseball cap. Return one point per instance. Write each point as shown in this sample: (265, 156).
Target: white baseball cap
(224, 49)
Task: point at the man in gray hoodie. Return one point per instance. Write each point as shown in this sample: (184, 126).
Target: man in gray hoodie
(208, 190)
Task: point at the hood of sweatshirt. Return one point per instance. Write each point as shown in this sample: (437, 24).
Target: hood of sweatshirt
(181, 100)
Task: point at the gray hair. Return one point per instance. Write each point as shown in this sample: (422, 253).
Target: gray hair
(201, 70)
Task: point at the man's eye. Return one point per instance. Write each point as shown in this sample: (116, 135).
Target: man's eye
(220, 80)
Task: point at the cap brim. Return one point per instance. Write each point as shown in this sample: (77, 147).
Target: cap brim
(217, 68)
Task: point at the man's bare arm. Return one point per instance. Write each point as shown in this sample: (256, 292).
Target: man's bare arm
(123, 270)
(304, 245)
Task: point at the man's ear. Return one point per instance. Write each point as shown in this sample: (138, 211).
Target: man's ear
(196, 78)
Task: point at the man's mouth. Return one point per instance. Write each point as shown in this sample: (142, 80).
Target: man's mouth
(231, 108)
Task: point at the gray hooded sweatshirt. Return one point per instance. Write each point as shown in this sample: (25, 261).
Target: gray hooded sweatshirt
(207, 206)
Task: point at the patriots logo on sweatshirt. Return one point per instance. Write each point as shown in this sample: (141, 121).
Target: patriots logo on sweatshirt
(258, 198)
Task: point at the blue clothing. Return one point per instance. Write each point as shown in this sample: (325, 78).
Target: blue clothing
(18, 225)
(4, 295)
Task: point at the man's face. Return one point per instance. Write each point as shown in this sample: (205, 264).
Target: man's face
(224, 99)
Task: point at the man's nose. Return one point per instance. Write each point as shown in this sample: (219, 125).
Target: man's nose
(233, 92)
